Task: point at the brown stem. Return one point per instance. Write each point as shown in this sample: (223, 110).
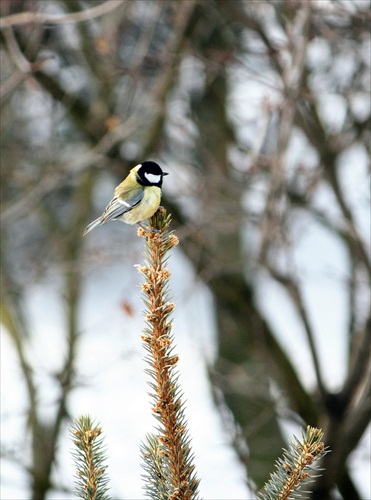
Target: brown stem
(173, 440)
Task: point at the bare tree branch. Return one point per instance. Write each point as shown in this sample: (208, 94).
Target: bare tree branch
(292, 81)
(74, 168)
(76, 17)
(293, 290)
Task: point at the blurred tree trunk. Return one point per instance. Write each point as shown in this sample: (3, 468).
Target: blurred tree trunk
(241, 373)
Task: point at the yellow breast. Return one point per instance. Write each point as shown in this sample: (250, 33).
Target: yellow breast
(146, 208)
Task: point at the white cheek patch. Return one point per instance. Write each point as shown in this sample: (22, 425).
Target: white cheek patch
(152, 178)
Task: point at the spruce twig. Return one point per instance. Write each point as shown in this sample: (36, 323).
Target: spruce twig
(168, 460)
(298, 464)
(89, 460)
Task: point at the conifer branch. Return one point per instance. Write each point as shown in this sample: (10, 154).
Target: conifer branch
(168, 459)
(297, 465)
(89, 460)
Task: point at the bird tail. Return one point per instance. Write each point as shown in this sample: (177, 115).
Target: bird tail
(92, 225)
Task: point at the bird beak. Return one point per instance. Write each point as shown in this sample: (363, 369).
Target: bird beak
(165, 173)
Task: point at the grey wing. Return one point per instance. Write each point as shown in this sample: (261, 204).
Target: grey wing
(118, 206)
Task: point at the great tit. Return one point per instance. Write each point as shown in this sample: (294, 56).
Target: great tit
(136, 198)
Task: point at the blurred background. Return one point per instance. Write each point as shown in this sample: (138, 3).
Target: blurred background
(260, 112)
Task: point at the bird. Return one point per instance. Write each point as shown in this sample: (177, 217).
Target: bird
(137, 197)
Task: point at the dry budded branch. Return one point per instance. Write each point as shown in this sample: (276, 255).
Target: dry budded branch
(298, 464)
(168, 459)
(89, 460)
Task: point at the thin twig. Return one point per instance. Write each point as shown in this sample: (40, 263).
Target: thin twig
(76, 167)
(75, 17)
(292, 80)
(293, 290)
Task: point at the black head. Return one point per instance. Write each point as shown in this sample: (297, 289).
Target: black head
(150, 174)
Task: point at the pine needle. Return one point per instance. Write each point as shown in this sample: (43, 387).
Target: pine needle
(91, 479)
(296, 466)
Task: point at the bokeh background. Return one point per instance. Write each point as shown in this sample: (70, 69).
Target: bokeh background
(260, 112)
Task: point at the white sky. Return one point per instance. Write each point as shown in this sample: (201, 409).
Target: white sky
(113, 384)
